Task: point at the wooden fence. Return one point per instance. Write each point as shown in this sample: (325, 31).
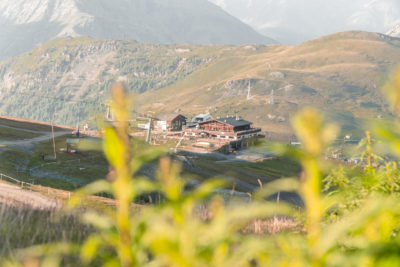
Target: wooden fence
(4, 177)
(58, 195)
(55, 194)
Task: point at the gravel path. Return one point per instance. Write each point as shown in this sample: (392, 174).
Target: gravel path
(15, 196)
(22, 129)
(28, 142)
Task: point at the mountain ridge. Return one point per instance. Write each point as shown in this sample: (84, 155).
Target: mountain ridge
(295, 21)
(25, 24)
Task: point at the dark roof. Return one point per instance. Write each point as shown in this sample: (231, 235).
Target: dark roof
(169, 117)
(232, 121)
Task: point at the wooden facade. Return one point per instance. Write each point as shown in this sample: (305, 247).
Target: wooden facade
(228, 124)
(216, 126)
(225, 128)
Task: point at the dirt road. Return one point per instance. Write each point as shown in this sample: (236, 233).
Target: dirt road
(15, 196)
(26, 142)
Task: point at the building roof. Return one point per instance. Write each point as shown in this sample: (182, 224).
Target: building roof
(204, 117)
(169, 117)
(233, 121)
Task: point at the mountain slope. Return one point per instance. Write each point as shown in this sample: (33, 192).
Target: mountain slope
(23, 24)
(295, 21)
(82, 69)
(340, 73)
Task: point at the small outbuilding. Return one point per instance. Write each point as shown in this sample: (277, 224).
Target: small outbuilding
(170, 122)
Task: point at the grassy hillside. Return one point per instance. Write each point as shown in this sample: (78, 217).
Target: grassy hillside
(32, 160)
(69, 78)
(340, 74)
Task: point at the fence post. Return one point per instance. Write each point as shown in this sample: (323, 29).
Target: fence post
(250, 196)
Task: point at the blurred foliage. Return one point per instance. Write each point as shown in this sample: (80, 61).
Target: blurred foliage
(351, 215)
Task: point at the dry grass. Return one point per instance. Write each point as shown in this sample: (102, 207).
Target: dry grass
(23, 227)
(276, 225)
(271, 226)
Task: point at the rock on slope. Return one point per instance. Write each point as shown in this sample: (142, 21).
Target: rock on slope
(395, 32)
(23, 24)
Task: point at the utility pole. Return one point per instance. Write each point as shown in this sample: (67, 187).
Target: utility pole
(52, 134)
(54, 141)
(249, 91)
(109, 113)
(78, 130)
(148, 138)
(271, 98)
(151, 118)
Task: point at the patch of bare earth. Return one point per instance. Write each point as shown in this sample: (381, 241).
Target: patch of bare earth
(15, 196)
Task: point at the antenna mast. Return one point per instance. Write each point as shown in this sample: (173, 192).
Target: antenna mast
(148, 136)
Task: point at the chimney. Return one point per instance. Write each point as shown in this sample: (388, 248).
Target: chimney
(237, 117)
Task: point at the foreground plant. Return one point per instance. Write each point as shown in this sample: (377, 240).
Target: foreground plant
(349, 220)
(170, 233)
